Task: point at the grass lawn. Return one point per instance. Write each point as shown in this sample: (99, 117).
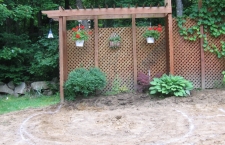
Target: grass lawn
(11, 103)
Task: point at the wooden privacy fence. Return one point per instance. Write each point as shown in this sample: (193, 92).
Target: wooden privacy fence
(63, 15)
(119, 62)
(204, 71)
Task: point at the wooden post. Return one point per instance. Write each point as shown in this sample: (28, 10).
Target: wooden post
(65, 56)
(167, 46)
(202, 52)
(170, 45)
(96, 40)
(61, 58)
(134, 50)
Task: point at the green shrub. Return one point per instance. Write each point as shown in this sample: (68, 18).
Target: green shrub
(84, 82)
(169, 85)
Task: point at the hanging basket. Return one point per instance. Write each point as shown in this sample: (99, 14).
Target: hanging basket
(114, 44)
(150, 40)
(79, 43)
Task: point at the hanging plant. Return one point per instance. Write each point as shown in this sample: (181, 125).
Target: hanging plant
(114, 41)
(152, 33)
(79, 35)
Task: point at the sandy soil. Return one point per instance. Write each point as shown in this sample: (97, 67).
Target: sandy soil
(128, 119)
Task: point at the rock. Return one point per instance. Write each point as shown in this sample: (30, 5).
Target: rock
(21, 88)
(1, 83)
(47, 92)
(42, 85)
(118, 117)
(11, 85)
(5, 89)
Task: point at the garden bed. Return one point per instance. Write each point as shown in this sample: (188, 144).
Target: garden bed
(131, 119)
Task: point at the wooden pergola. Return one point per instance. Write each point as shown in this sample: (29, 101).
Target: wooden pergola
(62, 15)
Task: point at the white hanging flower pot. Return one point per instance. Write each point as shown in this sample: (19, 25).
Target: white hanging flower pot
(79, 43)
(150, 40)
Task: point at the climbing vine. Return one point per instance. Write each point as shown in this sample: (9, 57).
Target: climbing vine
(212, 17)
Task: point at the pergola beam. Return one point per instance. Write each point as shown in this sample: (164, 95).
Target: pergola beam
(109, 11)
(69, 18)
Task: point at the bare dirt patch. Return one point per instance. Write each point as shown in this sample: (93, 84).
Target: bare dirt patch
(128, 119)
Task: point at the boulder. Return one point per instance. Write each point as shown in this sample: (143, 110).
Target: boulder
(11, 85)
(21, 88)
(5, 89)
(42, 85)
(47, 92)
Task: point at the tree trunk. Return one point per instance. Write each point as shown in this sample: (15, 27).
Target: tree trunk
(80, 5)
(179, 8)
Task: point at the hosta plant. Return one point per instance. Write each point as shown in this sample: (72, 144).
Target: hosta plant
(170, 85)
(83, 82)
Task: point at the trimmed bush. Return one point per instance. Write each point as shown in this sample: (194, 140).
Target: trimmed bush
(169, 85)
(83, 82)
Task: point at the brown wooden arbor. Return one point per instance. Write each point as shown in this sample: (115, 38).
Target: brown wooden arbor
(63, 15)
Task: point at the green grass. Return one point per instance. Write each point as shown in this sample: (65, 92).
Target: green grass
(11, 103)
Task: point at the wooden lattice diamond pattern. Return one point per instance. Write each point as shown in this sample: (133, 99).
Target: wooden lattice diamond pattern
(80, 56)
(213, 65)
(151, 56)
(187, 56)
(117, 62)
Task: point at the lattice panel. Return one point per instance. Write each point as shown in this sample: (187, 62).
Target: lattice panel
(187, 56)
(119, 61)
(151, 56)
(80, 56)
(213, 65)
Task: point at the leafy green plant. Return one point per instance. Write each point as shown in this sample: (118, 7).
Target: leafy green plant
(117, 87)
(13, 56)
(153, 32)
(44, 64)
(115, 38)
(79, 33)
(83, 82)
(169, 85)
(211, 17)
(220, 83)
(223, 76)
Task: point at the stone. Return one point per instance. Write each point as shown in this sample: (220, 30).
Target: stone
(1, 83)
(11, 85)
(41, 85)
(47, 92)
(5, 89)
(21, 88)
